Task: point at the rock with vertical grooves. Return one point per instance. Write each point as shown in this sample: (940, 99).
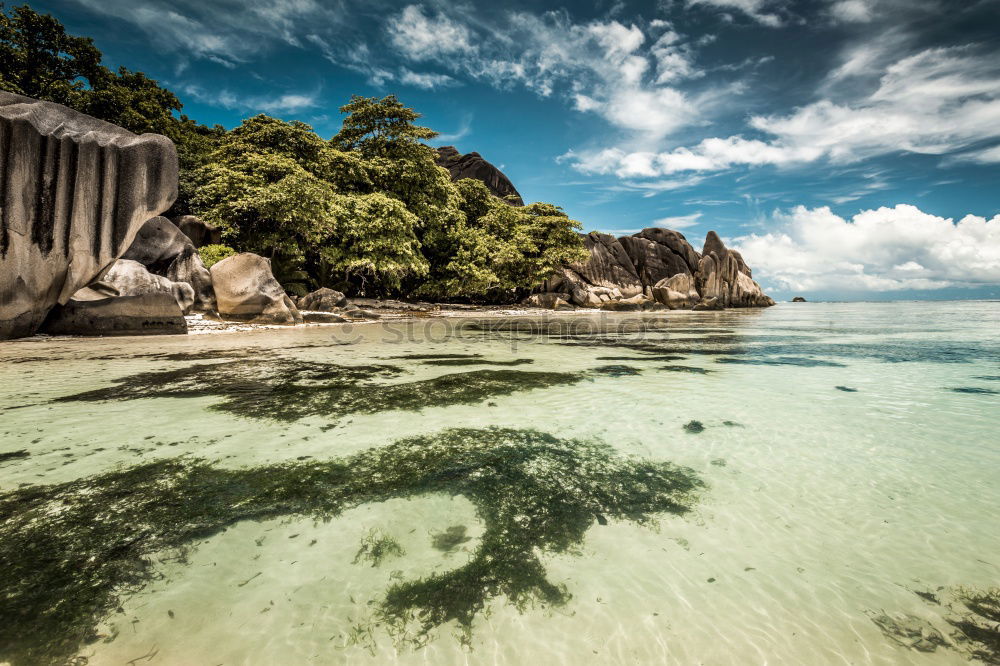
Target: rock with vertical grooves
(723, 275)
(245, 290)
(74, 191)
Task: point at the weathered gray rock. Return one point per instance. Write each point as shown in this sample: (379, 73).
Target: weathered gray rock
(200, 232)
(677, 292)
(157, 243)
(657, 254)
(74, 191)
(130, 278)
(245, 290)
(723, 274)
(322, 300)
(798, 299)
(164, 250)
(549, 301)
(188, 267)
(472, 165)
(153, 313)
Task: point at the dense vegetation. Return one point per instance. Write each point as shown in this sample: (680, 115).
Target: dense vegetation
(367, 211)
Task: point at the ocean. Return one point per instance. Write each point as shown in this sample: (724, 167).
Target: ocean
(812, 483)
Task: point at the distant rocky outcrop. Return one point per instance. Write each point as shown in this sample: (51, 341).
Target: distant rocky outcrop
(472, 165)
(655, 266)
(245, 290)
(798, 299)
(75, 190)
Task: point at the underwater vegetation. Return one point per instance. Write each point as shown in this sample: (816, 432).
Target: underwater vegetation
(974, 614)
(694, 427)
(377, 546)
(473, 361)
(70, 552)
(783, 360)
(685, 368)
(616, 370)
(846, 389)
(975, 390)
(288, 390)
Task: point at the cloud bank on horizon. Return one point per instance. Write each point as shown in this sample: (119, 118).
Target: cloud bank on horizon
(834, 141)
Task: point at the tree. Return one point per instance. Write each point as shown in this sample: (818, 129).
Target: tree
(38, 58)
(277, 189)
(381, 128)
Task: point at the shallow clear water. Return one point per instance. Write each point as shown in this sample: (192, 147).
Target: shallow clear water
(822, 506)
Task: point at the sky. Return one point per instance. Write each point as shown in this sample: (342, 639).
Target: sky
(849, 148)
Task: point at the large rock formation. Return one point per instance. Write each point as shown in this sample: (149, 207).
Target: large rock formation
(74, 191)
(246, 290)
(323, 300)
(164, 250)
(657, 265)
(472, 165)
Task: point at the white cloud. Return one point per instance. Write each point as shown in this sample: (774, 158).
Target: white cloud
(287, 103)
(762, 11)
(938, 101)
(852, 11)
(426, 80)
(678, 221)
(421, 37)
(605, 67)
(887, 249)
(985, 156)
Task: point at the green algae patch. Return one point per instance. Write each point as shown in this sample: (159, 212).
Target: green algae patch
(287, 390)
(450, 539)
(695, 370)
(70, 552)
(616, 370)
(694, 427)
(473, 361)
(782, 360)
(376, 547)
(973, 613)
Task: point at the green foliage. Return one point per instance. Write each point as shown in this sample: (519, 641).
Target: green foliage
(213, 254)
(381, 128)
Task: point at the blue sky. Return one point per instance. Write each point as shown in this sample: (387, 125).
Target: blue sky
(850, 148)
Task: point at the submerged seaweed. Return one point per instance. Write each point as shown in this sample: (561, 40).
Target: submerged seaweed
(616, 370)
(377, 546)
(13, 455)
(685, 368)
(846, 389)
(70, 552)
(975, 390)
(474, 361)
(286, 390)
(783, 360)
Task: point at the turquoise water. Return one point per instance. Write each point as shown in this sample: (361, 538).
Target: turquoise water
(811, 509)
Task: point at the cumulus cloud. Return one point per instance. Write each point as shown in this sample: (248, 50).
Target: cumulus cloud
(887, 249)
(938, 101)
(421, 37)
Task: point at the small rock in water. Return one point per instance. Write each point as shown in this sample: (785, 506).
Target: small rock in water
(694, 426)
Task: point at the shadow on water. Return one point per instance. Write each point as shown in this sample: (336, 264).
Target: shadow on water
(70, 553)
